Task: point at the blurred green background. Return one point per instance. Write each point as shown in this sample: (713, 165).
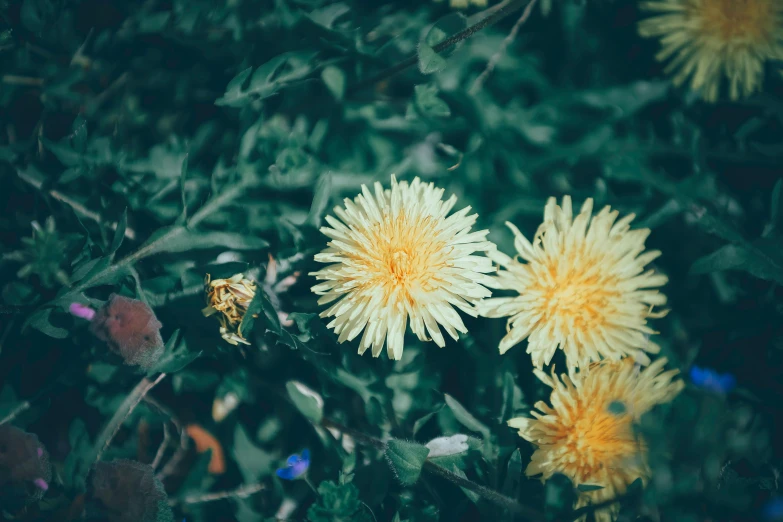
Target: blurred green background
(249, 120)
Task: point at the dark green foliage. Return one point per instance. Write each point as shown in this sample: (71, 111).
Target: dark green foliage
(338, 503)
(145, 144)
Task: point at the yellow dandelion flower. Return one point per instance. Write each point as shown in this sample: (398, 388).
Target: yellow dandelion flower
(582, 288)
(588, 435)
(708, 40)
(396, 257)
(231, 298)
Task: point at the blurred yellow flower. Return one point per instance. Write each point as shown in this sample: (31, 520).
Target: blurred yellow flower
(396, 257)
(464, 4)
(708, 40)
(231, 298)
(582, 288)
(588, 434)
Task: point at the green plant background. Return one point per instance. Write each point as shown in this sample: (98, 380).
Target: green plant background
(145, 144)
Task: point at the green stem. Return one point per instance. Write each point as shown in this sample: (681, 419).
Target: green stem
(133, 399)
(493, 18)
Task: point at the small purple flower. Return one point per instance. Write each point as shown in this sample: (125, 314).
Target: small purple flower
(711, 380)
(41, 484)
(773, 510)
(296, 466)
(83, 311)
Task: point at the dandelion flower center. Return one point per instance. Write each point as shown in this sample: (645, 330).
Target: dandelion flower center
(740, 21)
(396, 257)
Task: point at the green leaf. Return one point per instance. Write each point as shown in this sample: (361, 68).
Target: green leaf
(406, 460)
(309, 403)
(762, 259)
(119, 234)
(338, 503)
(428, 104)
(76, 463)
(176, 356)
(776, 210)
(260, 304)
(588, 487)
(465, 418)
(429, 61)
(513, 478)
(254, 463)
(559, 496)
(327, 16)
(41, 321)
(268, 79)
(177, 238)
(334, 79)
(321, 197)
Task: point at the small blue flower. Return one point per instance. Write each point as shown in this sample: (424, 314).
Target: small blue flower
(296, 466)
(773, 510)
(711, 380)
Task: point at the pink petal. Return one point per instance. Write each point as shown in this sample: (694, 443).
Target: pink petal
(83, 311)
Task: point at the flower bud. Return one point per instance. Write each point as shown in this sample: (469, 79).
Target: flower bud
(231, 298)
(127, 491)
(25, 472)
(131, 330)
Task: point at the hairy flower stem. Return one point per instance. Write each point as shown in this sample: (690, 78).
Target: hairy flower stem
(429, 466)
(493, 18)
(104, 439)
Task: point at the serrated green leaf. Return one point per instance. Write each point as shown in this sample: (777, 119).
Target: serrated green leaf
(406, 460)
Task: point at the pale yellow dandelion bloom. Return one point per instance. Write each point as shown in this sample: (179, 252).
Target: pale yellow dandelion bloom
(709, 40)
(587, 434)
(396, 257)
(231, 299)
(582, 287)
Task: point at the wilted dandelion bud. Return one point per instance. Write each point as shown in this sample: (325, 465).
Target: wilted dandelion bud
(231, 298)
(127, 491)
(131, 330)
(25, 472)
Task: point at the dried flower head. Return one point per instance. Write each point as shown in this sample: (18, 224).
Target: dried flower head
(25, 472)
(708, 40)
(394, 256)
(588, 432)
(131, 330)
(231, 298)
(582, 288)
(127, 491)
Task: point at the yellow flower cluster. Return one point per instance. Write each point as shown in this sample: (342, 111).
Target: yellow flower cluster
(399, 257)
(396, 257)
